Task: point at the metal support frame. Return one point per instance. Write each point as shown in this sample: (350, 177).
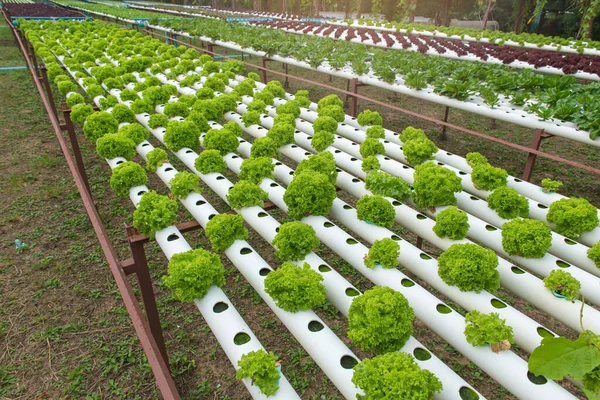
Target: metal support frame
(538, 136)
(444, 136)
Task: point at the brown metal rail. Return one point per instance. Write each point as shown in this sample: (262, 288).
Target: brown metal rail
(164, 381)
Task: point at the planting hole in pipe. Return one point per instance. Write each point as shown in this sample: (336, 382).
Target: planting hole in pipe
(462, 173)
(562, 264)
(405, 167)
(241, 338)
(348, 362)
(421, 217)
(168, 169)
(141, 192)
(278, 163)
(396, 238)
(570, 242)
(536, 380)
(273, 184)
(407, 283)
(543, 207)
(294, 146)
(424, 256)
(337, 151)
(245, 251)
(315, 326)
(211, 216)
(234, 157)
(490, 228)
(353, 159)
(517, 270)
(146, 144)
(220, 307)
(264, 271)
(220, 177)
(355, 180)
(421, 354)
(119, 162)
(466, 393)
(443, 309)
(351, 241)
(172, 237)
(262, 214)
(497, 303)
(324, 268)
(518, 180)
(351, 292)
(353, 144)
(338, 170)
(473, 198)
(189, 151)
(347, 207)
(200, 202)
(328, 224)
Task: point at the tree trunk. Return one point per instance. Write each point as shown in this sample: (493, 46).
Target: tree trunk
(442, 17)
(520, 16)
(486, 16)
(256, 5)
(360, 6)
(347, 9)
(413, 11)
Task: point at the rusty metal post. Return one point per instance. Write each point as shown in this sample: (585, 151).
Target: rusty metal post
(354, 100)
(263, 64)
(538, 136)
(75, 147)
(419, 243)
(46, 82)
(136, 246)
(443, 136)
(286, 84)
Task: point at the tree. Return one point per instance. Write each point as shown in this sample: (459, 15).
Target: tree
(488, 9)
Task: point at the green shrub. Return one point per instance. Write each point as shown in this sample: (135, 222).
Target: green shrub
(452, 223)
(375, 132)
(80, 112)
(192, 273)
(488, 329)
(326, 124)
(222, 140)
(371, 147)
(470, 267)
(157, 120)
(246, 194)
(486, 177)
(376, 210)
(289, 107)
(250, 118)
(126, 176)
(261, 368)
(224, 229)
(156, 158)
(309, 193)
(199, 119)
(594, 254)
(435, 186)
(295, 240)
(380, 320)
(256, 169)
(572, 217)
(264, 147)
(296, 288)
(508, 203)
(411, 133)
(418, 151)
(563, 283)
(474, 159)
(210, 161)
(99, 124)
(176, 109)
(182, 134)
(134, 132)
(323, 163)
(114, 145)
(281, 134)
(335, 112)
(384, 252)
(370, 163)
(331, 100)
(387, 185)
(212, 109)
(394, 376)
(184, 183)
(369, 117)
(526, 238)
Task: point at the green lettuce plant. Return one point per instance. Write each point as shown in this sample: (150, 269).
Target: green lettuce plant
(594, 254)
(321, 140)
(256, 169)
(394, 375)
(192, 273)
(80, 112)
(99, 124)
(487, 177)
(370, 163)
(246, 194)
(224, 229)
(156, 158)
(488, 329)
(134, 132)
(65, 87)
(474, 159)
(387, 185)
(222, 140)
(296, 288)
(154, 212)
(371, 147)
(126, 176)
(330, 100)
(384, 252)
(127, 95)
(295, 240)
(526, 238)
(199, 119)
(380, 320)
(257, 105)
(335, 112)
(264, 147)
(212, 109)
(155, 95)
(323, 163)
(375, 132)
(176, 109)
(205, 93)
(551, 186)
(210, 161)
(410, 133)
(215, 84)
(276, 88)
(75, 99)
(417, 151)
(435, 186)
(452, 223)
(309, 193)
(563, 283)
(234, 128)
(114, 145)
(261, 368)
(571, 217)
(250, 118)
(284, 119)
(290, 107)
(182, 134)
(157, 120)
(470, 267)
(265, 96)
(326, 124)
(94, 91)
(508, 203)
(184, 183)
(281, 134)
(140, 106)
(376, 210)
(369, 117)
(244, 89)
